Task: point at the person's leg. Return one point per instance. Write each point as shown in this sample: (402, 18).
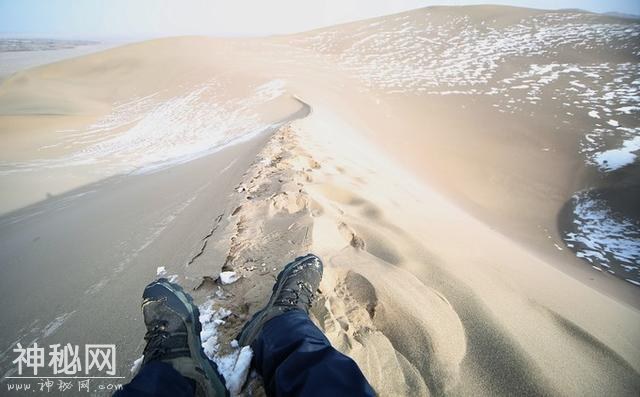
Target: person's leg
(291, 353)
(294, 358)
(158, 379)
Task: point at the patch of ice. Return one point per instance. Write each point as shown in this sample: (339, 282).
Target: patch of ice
(594, 114)
(161, 271)
(228, 277)
(613, 123)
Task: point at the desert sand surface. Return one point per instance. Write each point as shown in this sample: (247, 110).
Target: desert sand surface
(468, 175)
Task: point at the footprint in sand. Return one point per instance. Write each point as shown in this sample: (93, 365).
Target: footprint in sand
(423, 341)
(315, 208)
(371, 211)
(342, 196)
(378, 245)
(351, 236)
(348, 317)
(290, 202)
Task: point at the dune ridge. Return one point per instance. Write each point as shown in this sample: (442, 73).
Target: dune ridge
(481, 327)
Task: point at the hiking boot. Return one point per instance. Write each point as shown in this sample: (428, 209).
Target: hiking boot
(294, 290)
(173, 336)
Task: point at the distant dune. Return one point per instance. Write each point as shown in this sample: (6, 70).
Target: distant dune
(19, 53)
(622, 15)
(536, 112)
(469, 175)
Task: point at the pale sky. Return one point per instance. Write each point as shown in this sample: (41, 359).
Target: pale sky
(153, 18)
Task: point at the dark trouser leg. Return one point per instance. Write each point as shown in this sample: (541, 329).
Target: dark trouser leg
(296, 359)
(158, 379)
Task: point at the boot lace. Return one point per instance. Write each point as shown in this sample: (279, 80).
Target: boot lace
(156, 338)
(293, 296)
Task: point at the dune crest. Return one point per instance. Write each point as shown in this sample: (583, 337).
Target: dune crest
(417, 318)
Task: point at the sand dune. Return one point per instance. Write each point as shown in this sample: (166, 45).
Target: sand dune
(443, 164)
(486, 316)
(526, 105)
(115, 112)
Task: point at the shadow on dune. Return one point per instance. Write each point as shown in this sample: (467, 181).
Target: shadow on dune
(624, 375)
(494, 359)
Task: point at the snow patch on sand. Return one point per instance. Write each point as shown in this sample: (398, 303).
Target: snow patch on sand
(229, 277)
(628, 109)
(137, 364)
(151, 132)
(233, 366)
(604, 238)
(404, 54)
(614, 159)
(459, 56)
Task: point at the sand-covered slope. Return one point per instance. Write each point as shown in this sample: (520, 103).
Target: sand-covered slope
(128, 109)
(427, 299)
(460, 172)
(517, 113)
